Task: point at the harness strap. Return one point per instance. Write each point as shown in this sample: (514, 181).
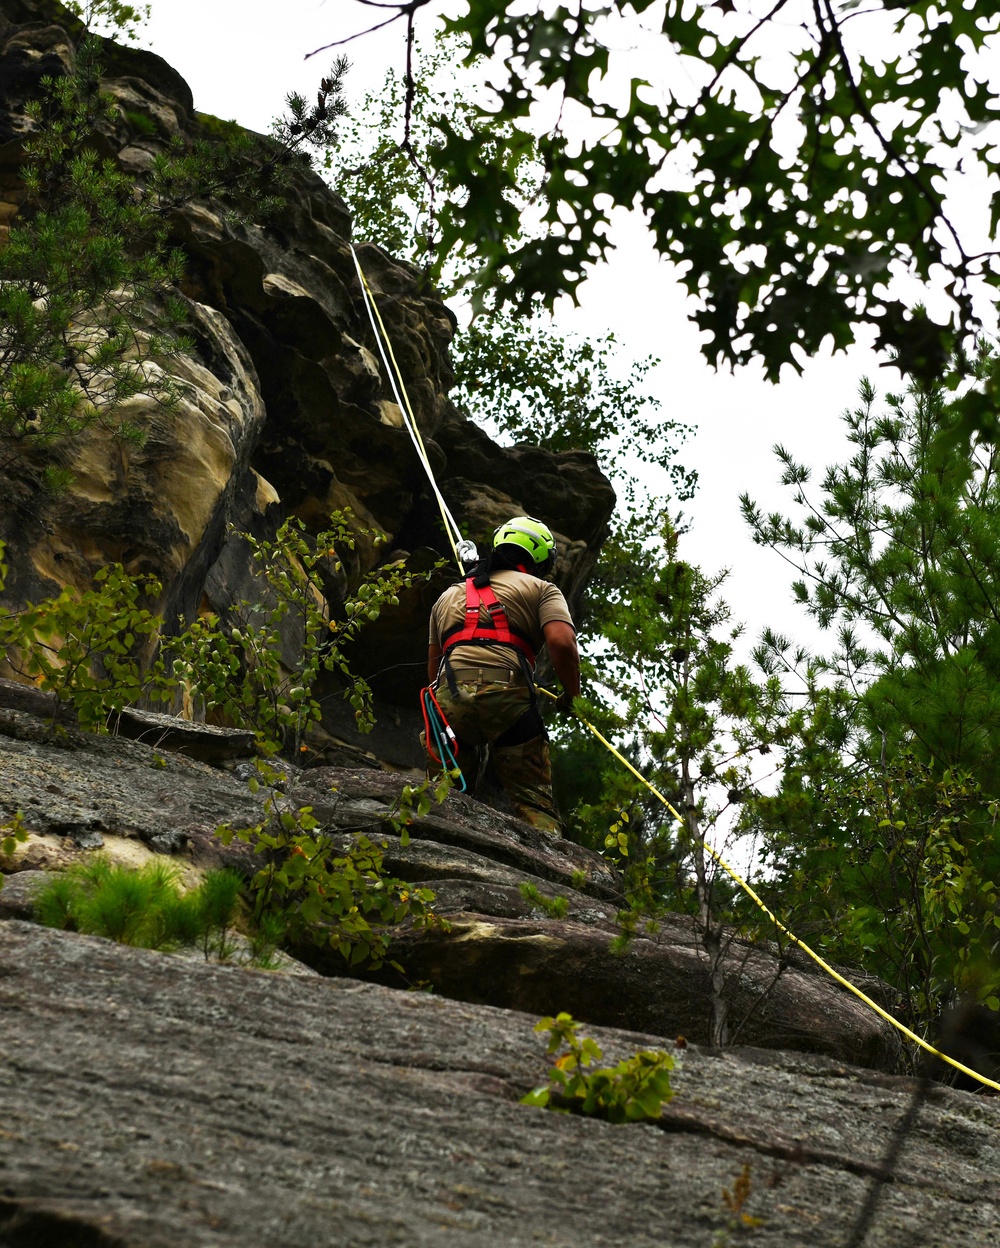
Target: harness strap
(497, 632)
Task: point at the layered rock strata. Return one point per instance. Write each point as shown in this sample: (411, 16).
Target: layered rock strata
(132, 800)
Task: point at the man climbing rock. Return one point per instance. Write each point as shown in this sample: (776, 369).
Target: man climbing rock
(485, 634)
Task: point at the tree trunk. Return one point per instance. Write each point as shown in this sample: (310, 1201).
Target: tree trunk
(710, 931)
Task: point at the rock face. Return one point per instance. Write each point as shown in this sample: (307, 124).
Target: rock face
(158, 1102)
(288, 410)
(152, 1100)
(78, 794)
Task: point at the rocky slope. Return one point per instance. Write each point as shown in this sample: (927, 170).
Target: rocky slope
(133, 799)
(150, 1102)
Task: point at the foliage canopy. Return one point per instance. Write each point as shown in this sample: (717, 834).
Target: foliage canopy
(895, 553)
(514, 372)
(882, 832)
(794, 156)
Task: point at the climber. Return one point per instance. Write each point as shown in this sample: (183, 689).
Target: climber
(485, 633)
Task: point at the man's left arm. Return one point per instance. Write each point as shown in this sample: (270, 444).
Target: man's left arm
(433, 662)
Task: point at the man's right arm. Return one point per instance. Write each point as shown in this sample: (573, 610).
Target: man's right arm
(561, 641)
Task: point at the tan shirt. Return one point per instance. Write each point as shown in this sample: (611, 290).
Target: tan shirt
(529, 604)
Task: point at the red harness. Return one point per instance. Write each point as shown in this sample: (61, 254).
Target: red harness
(497, 632)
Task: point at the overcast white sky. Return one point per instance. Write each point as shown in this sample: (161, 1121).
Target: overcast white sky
(242, 56)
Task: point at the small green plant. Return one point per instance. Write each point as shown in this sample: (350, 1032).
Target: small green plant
(216, 906)
(415, 801)
(265, 937)
(633, 1091)
(554, 907)
(86, 647)
(616, 839)
(344, 900)
(145, 907)
(12, 833)
(237, 668)
(141, 123)
(579, 879)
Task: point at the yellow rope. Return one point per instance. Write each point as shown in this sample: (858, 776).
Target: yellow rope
(450, 526)
(846, 983)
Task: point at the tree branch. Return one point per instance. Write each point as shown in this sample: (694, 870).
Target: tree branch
(402, 10)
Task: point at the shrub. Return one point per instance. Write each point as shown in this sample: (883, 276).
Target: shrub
(144, 908)
(236, 669)
(86, 648)
(633, 1091)
(309, 891)
(90, 648)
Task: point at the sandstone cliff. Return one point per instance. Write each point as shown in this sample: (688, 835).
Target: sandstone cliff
(286, 410)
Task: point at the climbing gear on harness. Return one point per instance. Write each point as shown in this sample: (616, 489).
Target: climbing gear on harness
(438, 733)
(464, 550)
(495, 726)
(535, 537)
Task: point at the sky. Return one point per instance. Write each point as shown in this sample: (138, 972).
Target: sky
(242, 56)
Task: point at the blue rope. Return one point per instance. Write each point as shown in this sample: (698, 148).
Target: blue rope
(441, 732)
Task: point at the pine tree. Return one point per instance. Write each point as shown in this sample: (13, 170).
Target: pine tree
(883, 831)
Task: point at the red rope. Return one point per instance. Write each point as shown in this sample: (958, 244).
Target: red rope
(426, 696)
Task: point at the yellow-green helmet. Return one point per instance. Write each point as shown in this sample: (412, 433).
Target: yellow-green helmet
(533, 536)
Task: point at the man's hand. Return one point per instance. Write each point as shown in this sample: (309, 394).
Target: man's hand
(564, 703)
